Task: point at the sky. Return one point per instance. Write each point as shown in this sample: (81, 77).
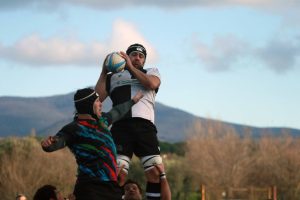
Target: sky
(233, 60)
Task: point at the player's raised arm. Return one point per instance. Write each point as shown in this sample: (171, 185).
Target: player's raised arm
(100, 87)
(149, 81)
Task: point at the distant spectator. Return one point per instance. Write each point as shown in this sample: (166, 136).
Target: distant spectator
(50, 192)
(21, 197)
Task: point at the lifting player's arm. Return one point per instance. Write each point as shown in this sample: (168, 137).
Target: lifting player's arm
(100, 87)
(148, 81)
(164, 184)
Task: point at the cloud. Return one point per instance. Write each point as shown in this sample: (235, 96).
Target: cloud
(36, 51)
(117, 4)
(38, 4)
(279, 55)
(125, 34)
(226, 51)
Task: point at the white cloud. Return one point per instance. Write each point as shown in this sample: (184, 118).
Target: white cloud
(125, 34)
(222, 55)
(36, 51)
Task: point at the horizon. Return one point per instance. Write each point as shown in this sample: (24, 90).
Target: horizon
(164, 104)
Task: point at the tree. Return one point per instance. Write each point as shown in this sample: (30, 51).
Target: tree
(24, 167)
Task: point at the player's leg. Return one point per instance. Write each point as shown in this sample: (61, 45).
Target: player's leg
(148, 151)
(124, 145)
(123, 162)
(153, 188)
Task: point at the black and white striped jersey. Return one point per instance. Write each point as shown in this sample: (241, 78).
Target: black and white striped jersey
(123, 86)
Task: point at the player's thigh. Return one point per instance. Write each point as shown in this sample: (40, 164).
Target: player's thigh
(147, 144)
(124, 141)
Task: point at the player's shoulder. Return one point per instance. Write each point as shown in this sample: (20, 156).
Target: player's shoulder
(152, 70)
(70, 127)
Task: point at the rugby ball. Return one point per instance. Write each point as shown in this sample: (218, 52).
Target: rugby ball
(115, 62)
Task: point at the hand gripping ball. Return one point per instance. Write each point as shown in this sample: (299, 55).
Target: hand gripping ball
(115, 62)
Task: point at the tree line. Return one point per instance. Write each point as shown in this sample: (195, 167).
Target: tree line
(214, 155)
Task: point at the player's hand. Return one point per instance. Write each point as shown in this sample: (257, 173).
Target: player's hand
(127, 59)
(48, 142)
(137, 96)
(121, 175)
(160, 168)
(124, 55)
(119, 169)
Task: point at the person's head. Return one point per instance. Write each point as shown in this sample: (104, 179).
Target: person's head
(21, 197)
(132, 190)
(47, 192)
(137, 54)
(87, 102)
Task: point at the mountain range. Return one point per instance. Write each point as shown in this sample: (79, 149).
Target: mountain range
(21, 116)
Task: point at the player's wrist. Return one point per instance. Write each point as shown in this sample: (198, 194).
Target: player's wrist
(162, 176)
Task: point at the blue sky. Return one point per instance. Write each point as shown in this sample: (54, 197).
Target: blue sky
(232, 60)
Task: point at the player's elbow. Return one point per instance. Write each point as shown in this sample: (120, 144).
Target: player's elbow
(152, 85)
(47, 149)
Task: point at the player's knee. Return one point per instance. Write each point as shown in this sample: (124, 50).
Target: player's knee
(148, 162)
(123, 163)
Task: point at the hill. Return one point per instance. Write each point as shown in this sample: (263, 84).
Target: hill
(19, 116)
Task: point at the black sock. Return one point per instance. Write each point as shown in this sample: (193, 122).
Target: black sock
(153, 191)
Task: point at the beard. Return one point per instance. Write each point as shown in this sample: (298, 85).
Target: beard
(137, 64)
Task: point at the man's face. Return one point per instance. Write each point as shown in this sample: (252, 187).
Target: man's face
(132, 192)
(59, 195)
(97, 107)
(137, 59)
